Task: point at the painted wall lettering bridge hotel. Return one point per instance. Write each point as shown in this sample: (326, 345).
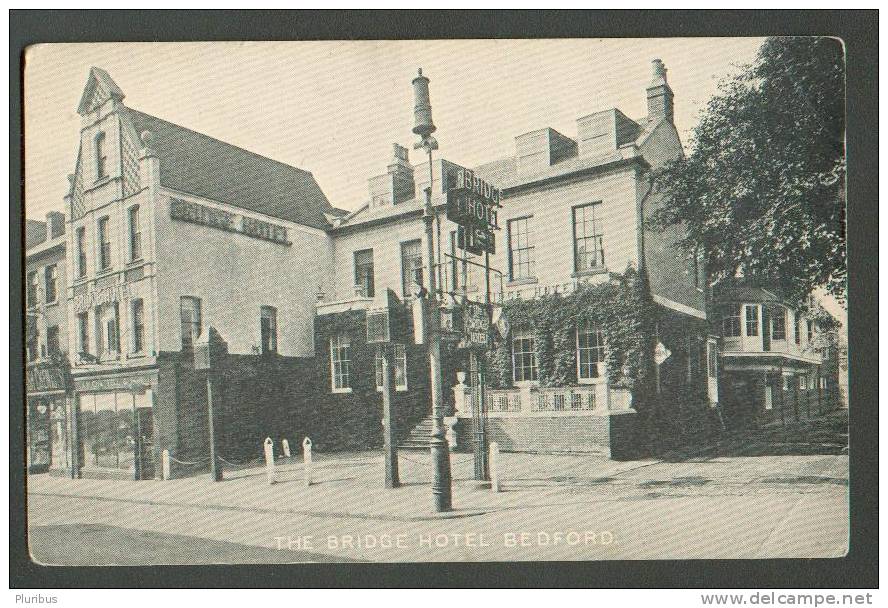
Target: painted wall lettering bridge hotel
(169, 232)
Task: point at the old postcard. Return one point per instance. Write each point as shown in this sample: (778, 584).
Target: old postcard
(424, 301)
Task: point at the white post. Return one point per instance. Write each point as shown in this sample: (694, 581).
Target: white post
(285, 445)
(165, 464)
(269, 459)
(493, 463)
(306, 456)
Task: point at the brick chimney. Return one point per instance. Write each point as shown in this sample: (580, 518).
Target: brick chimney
(659, 94)
(55, 224)
(397, 184)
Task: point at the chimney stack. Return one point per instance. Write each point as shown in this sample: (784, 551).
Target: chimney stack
(55, 224)
(397, 185)
(659, 94)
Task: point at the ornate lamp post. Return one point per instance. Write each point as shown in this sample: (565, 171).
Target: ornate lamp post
(440, 452)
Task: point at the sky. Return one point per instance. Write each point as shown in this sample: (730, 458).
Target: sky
(335, 108)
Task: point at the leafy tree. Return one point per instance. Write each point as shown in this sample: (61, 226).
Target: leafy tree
(762, 191)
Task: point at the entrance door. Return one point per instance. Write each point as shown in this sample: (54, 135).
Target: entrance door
(38, 435)
(144, 443)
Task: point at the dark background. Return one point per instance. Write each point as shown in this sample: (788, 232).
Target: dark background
(858, 30)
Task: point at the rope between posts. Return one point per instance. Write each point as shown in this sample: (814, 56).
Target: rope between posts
(189, 464)
(245, 464)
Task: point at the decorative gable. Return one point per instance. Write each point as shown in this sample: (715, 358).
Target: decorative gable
(100, 87)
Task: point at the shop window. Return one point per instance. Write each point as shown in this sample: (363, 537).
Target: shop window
(104, 245)
(190, 319)
(522, 263)
(268, 328)
(399, 352)
(101, 155)
(752, 320)
(135, 234)
(590, 351)
(524, 357)
(588, 238)
(731, 321)
(106, 428)
(778, 324)
(411, 266)
(32, 296)
(138, 323)
(340, 363)
(81, 251)
(51, 281)
(364, 272)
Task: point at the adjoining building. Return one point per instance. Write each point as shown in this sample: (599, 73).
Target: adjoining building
(46, 366)
(573, 229)
(171, 232)
(776, 362)
(603, 339)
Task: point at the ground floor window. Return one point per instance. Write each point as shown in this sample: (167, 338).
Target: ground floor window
(399, 358)
(524, 359)
(106, 430)
(590, 351)
(340, 363)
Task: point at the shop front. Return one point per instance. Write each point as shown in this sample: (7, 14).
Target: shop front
(115, 426)
(47, 419)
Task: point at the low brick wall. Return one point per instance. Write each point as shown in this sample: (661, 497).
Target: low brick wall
(614, 436)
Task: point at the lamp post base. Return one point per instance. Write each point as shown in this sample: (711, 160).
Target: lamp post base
(441, 483)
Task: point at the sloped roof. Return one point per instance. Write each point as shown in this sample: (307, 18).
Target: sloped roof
(747, 293)
(35, 233)
(197, 164)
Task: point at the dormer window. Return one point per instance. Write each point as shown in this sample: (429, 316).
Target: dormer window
(101, 155)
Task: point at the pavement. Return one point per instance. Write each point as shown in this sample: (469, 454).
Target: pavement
(552, 507)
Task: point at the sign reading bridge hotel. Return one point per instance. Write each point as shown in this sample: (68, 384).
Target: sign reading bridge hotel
(223, 220)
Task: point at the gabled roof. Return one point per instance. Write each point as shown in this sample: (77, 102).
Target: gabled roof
(197, 164)
(98, 78)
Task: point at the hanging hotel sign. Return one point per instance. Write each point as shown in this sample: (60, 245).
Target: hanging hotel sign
(473, 202)
(476, 324)
(101, 296)
(204, 215)
(475, 240)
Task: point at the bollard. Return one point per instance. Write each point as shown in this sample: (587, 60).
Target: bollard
(285, 446)
(493, 463)
(269, 459)
(165, 464)
(306, 456)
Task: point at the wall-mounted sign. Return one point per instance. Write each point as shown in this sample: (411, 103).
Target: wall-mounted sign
(468, 208)
(223, 220)
(103, 295)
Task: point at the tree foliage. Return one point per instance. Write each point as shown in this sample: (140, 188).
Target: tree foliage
(762, 191)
